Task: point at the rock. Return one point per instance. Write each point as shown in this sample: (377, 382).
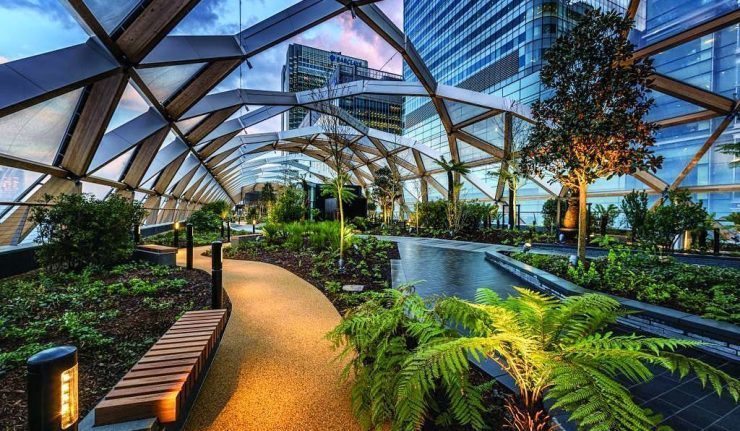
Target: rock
(353, 288)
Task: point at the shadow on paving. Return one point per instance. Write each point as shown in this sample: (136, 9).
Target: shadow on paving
(459, 269)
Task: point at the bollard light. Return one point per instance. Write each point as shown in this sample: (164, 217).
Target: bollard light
(189, 245)
(228, 232)
(137, 233)
(526, 247)
(254, 225)
(217, 287)
(176, 235)
(53, 393)
(573, 260)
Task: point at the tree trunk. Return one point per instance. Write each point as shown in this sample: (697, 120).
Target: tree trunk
(341, 226)
(512, 212)
(582, 221)
(450, 187)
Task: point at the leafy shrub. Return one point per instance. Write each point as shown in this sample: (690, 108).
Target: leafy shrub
(79, 230)
(297, 236)
(703, 290)
(475, 214)
(676, 215)
(433, 215)
(635, 209)
(289, 206)
(221, 208)
(205, 221)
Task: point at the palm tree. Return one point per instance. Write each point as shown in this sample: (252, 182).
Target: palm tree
(453, 168)
(553, 350)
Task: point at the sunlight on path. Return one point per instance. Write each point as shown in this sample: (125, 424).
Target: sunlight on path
(274, 370)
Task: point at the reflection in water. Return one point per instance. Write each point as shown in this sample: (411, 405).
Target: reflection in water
(452, 272)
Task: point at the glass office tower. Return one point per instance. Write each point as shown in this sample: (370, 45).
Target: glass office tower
(496, 47)
(307, 68)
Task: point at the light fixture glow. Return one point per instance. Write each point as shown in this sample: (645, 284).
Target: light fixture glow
(69, 407)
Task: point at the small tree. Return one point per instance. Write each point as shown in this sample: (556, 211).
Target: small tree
(386, 190)
(267, 198)
(511, 172)
(604, 217)
(676, 215)
(592, 126)
(78, 230)
(288, 206)
(635, 209)
(453, 169)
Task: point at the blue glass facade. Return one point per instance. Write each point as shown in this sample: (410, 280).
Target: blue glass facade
(496, 46)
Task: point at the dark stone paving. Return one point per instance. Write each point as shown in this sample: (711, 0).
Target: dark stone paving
(459, 269)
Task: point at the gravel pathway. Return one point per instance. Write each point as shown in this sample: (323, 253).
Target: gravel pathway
(274, 370)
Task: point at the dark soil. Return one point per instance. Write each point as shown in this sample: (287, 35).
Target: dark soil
(132, 332)
(303, 264)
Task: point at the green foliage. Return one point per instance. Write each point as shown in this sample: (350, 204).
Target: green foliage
(475, 213)
(561, 346)
(378, 339)
(593, 125)
(704, 290)
(43, 309)
(433, 214)
(79, 230)
(635, 209)
(199, 238)
(205, 221)
(734, 218)
(221, 208)
(319, 236)
(288, 206)
(677, 214)
(550, 212)
(603, 217)
(386, 189)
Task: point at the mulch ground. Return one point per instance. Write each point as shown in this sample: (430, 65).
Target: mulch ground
(133, 332)
(302, 265)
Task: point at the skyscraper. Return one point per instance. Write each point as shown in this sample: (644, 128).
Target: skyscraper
(307, 68)
(497, 47)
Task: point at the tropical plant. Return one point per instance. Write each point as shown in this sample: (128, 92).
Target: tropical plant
(734, 218)
(77, 230)
(288, 206)
(267, 198)
(337, 188)
(550, 213)
(386, 189)
(454, 169)
(593, 125)
(553, 350)
(604, 217)
(635, 208)
(377, 339)
(221, 208)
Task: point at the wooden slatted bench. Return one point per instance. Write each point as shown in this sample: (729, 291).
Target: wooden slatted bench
(165, 378)
(158, 254)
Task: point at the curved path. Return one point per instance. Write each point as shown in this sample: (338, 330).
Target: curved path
(274, 370)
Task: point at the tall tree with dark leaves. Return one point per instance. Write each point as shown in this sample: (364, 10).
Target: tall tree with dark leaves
(592, 126)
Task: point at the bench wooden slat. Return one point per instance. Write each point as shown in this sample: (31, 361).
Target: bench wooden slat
(165, 377)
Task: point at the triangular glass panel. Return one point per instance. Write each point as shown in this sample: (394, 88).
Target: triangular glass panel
(163, 82)
(185, 167)
(714, 168)
(166, 154)
(129, 107)
(114, 170)
(31, 28)
(186, 126)
(657, 20)
(669, 107)
(460, 112)
(707, 62)
(490, 130)
(111, 13)
(100, 191)
(149, 184)
(469, 153)
(36, 133)
(14, 183)
(403, 171)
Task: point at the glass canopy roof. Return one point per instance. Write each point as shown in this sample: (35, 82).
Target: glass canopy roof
(156, 107)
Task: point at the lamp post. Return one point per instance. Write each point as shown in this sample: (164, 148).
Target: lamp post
(223, 234)
(53, 390)
(189, 245)
(137, 233)
(217, 286)
(176, 235)
(228, 231)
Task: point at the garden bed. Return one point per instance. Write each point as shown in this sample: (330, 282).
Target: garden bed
(367, 263)
(710, 292)
(483, 235)
(167, 238)
(113, 317)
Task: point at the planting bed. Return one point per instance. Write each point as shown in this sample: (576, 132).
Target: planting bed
(113, 317)
(367, 263)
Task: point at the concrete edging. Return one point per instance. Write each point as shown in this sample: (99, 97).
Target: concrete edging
(722, 338)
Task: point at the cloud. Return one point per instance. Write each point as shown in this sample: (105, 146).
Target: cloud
(52, 9)
(3, 59)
